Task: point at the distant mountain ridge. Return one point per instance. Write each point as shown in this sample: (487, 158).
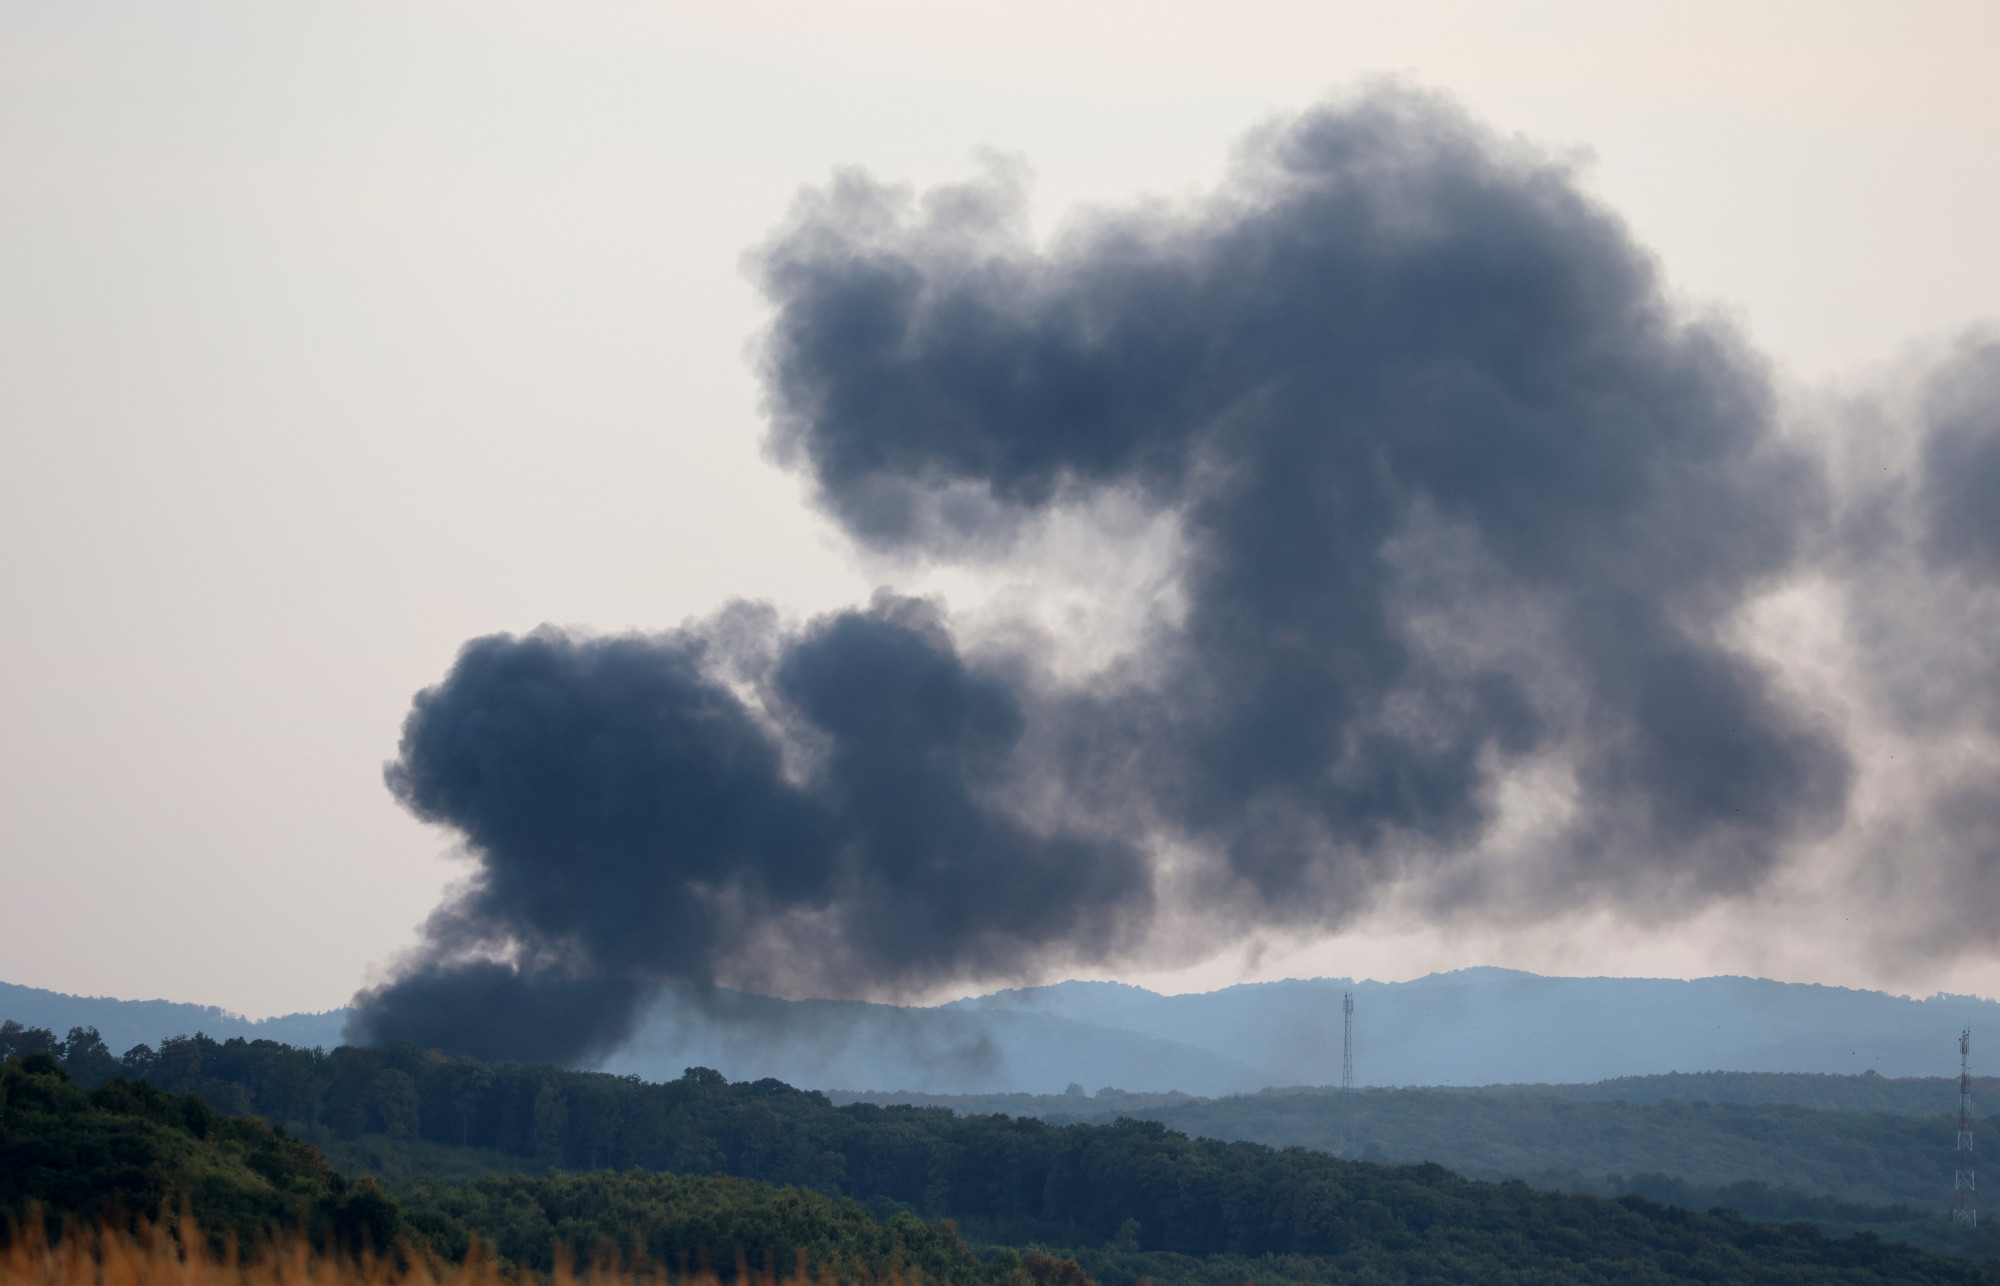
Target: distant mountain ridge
(125, 1023)
(1499, 1026)
(1470, 1027)
(1466, 1028)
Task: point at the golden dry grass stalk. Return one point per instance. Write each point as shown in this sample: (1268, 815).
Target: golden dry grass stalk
(148, 1254)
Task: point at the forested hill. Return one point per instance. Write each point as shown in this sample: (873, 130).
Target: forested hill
(1582, 1137)
(126, 1150)
(1136, 1200)
(503, 1115)
(1854, 1156)
(1867, 1092)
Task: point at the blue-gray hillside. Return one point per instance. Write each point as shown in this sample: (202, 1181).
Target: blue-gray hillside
(1471, 1027)
(125, 1023)
(1490, 1026)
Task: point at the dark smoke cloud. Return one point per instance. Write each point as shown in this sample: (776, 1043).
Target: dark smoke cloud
(1387, 325)
(635, 821)
(1460, 496)
(1919, 547)
(1919, 561)
(1961, 461)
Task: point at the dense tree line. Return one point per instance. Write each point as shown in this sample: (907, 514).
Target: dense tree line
(543, 1116)
(1874, 1157)
(1825, 1091)
(82, 1053)
(127, 1149)
(409, 1113)
(1338, 1221)
(686, 1220)
(1500, 1141)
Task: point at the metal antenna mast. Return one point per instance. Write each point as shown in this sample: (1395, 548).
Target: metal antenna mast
(1347, 1042)
(1964, 1201)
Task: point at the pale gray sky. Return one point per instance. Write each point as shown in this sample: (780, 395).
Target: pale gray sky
(334, 335)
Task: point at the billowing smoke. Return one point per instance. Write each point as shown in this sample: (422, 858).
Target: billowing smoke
(1961, 464)
(1918, 565)
(636, 821)
(1467, 518)
(1390, 361)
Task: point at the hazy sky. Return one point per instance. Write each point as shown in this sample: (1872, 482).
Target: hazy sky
(332, 336)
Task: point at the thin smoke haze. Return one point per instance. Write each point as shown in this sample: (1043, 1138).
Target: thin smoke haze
(1464, 514)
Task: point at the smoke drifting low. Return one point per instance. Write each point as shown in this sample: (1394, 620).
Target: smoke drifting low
(1467, 515)
(635, 821)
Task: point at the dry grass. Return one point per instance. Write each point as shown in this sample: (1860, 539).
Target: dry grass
(151, 1255)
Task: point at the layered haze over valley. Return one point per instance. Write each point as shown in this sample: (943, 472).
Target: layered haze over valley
(1472, 1027)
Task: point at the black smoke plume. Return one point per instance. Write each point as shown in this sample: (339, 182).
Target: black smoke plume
(635, 821)
(1461, 498)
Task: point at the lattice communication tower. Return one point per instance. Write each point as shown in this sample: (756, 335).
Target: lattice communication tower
(1347, 1040)
(1964, 1199)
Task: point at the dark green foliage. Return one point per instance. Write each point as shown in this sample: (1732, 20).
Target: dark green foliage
(17, 1041)
(1498, 1234)
(676, 1219)
(1868, 1092)
(1130, 1184)
(398, 1163)
(128, 1148)
(85, 1057)
(82, 1053)
(1875, 1158)
(544, 1116)
(1928, 1227)
(1142, 1199)
(936, 1162)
